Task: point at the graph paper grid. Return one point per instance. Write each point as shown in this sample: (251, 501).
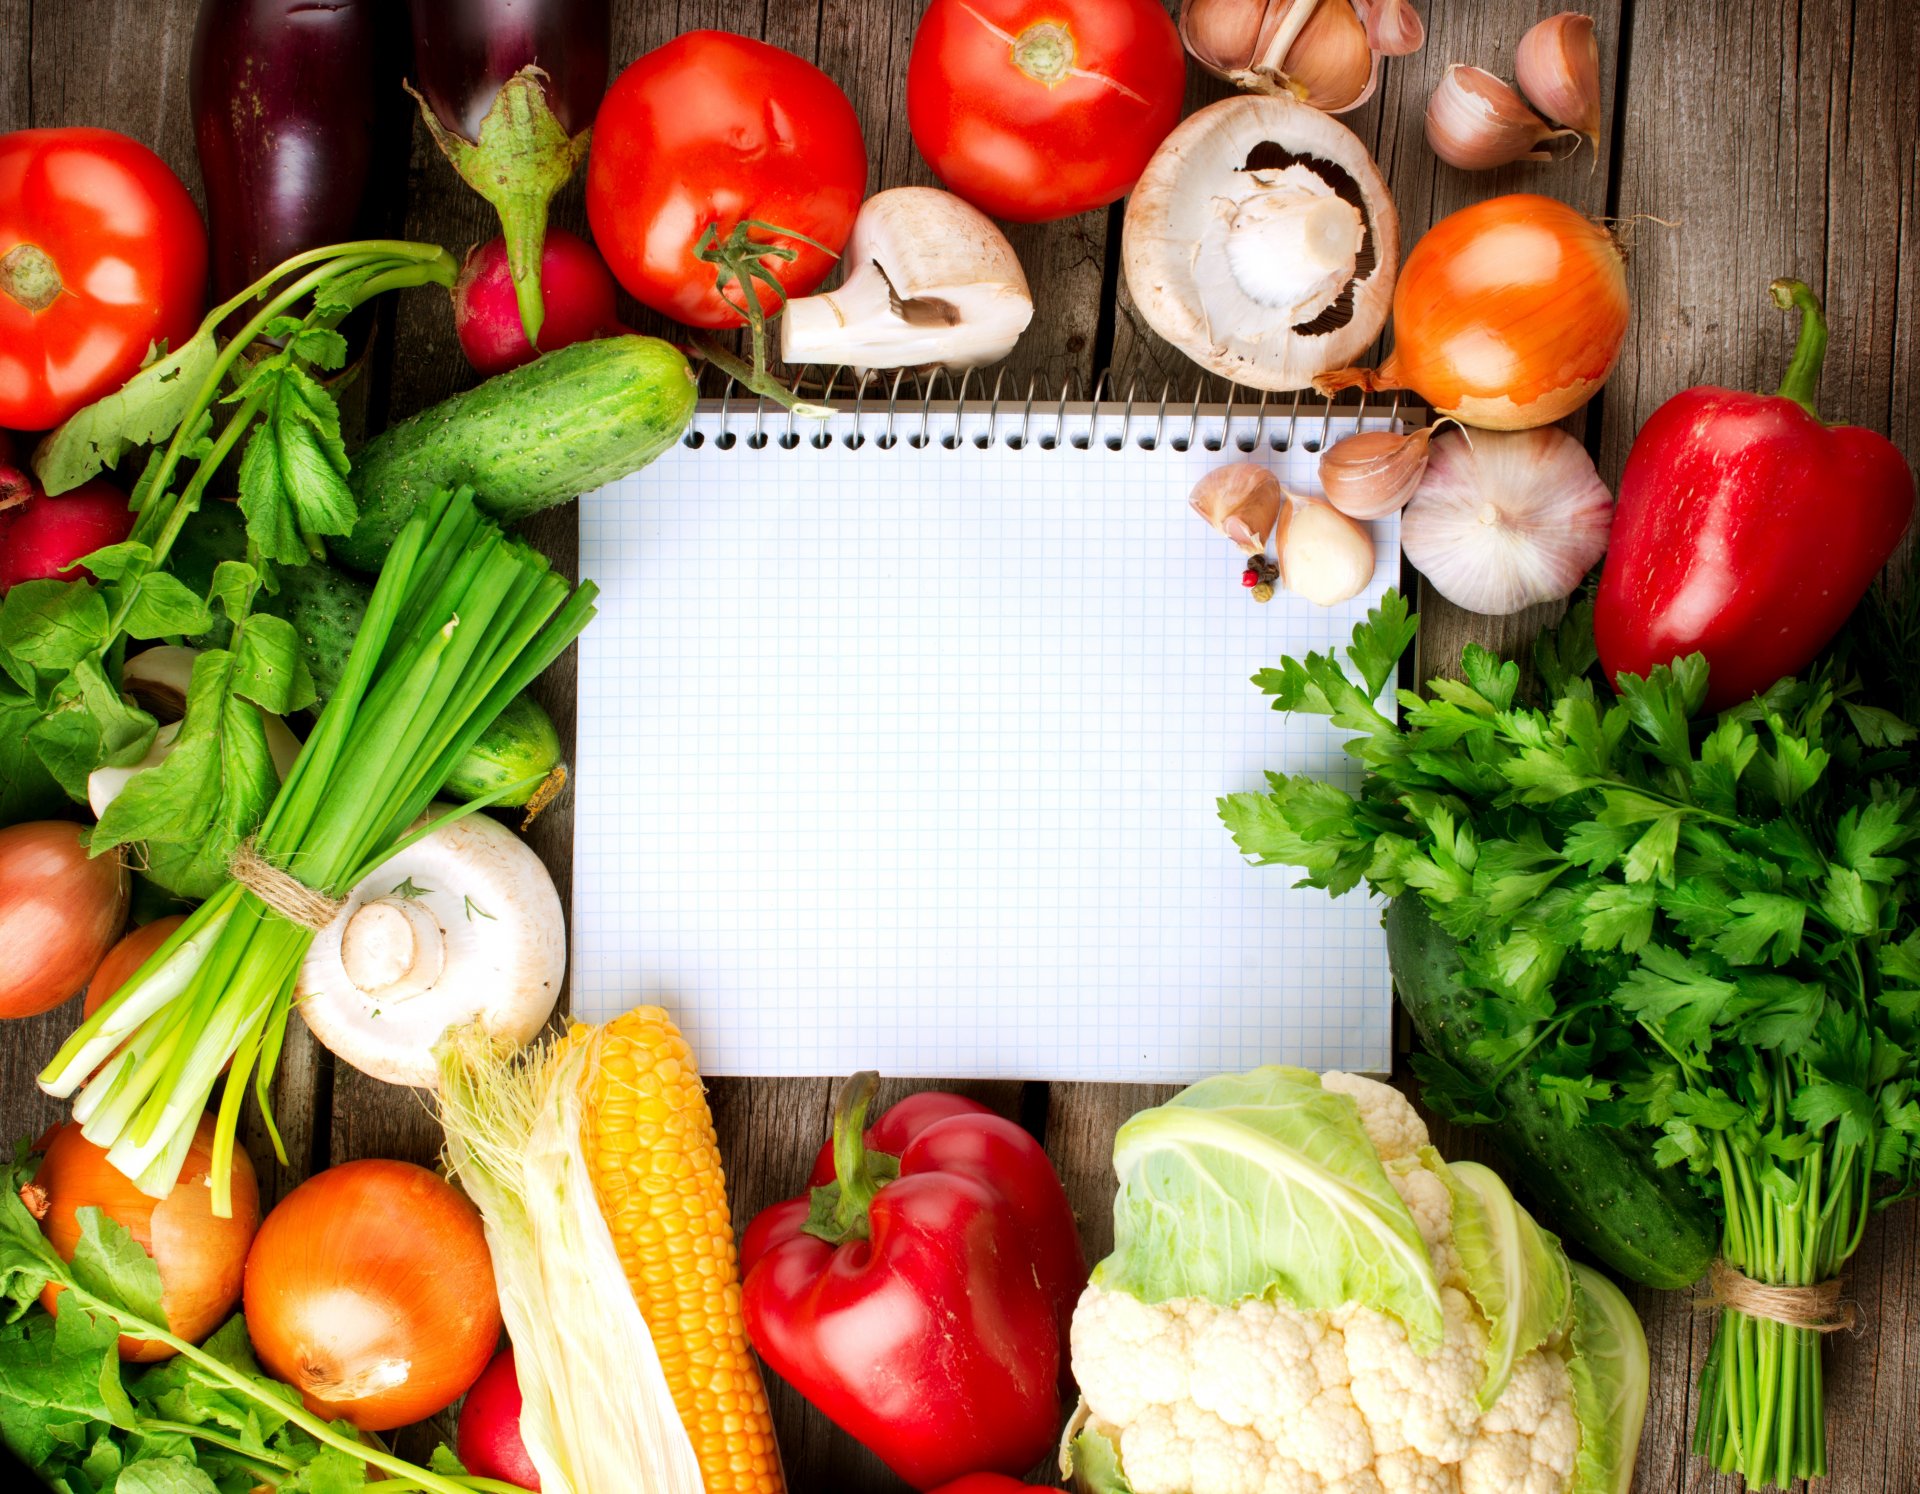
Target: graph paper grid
(908, 758)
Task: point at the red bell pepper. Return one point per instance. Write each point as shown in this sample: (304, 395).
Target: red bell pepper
(919, 1293)
(1747, 528)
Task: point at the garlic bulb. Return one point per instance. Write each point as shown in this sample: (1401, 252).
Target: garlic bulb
(1517, 517)
(1394, 28)
(1558, 68)
(1242, 501)
(1316, 50)
(1374, 473)
(1325, 556)
(1477, 122)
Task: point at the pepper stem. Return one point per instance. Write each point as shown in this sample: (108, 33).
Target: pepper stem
(857, 1182)
(1803, 373)
(838, 1210)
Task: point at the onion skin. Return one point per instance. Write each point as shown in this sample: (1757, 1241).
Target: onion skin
(201, 1257)
(1508, 315)
(370, 1291)
(59, 914)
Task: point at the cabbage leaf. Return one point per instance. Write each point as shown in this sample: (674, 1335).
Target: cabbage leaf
(1610, 1378)
(1516, 1271)
(1246, 1185)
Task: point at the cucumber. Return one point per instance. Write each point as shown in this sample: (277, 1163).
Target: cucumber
(1599, 1187)
(325, 607)
(538, 435)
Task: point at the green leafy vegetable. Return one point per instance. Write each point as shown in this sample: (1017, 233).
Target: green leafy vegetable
(1610, 1378)
(1095, 1464)
(1262, 1181)
(1515, 1269)
(1704, 931)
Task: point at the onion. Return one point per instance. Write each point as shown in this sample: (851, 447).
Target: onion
(59, 914)
(1514, 518)
(126, 957)
(1507, 315)
(200, 1257)
(370, 1291)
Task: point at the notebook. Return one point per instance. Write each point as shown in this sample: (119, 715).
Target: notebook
(900, 739)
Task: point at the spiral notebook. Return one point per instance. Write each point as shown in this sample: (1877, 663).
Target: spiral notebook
(900, 739)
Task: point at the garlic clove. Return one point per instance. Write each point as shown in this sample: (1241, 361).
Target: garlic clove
(1330, 65)
(1515, 518)
(1394, 28)
(1229, 37)
(1477, 122)
(1558, 68)
(1374, 473)
(1241, 501)
(1325, 556)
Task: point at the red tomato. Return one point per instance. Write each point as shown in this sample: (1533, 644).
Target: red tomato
(723, 132)
(102, 255)
(1039, 109)
(984, 1483)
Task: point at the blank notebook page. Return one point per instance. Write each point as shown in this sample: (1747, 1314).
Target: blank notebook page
(907, 759)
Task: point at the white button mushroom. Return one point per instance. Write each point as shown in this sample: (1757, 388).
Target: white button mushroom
(1261, 242)
(463, 926)
(930, 279)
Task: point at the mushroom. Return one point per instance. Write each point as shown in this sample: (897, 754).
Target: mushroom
(462, 926)
(930, 280)
(158, 679)
(1262, 243)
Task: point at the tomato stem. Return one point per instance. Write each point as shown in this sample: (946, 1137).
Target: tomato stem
(742, 261)
(29, 275)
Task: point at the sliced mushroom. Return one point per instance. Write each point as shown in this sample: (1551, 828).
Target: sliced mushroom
(460, 927)
(1261, 241)
(930, 280)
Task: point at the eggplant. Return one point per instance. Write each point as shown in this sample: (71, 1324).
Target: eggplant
(283, 95)
(509, 89)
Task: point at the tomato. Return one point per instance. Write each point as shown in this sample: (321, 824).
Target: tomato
(1039, 109)
(102, 255)
(724, 133)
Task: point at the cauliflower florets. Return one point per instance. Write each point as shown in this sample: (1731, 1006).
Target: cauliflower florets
(1392, 1125)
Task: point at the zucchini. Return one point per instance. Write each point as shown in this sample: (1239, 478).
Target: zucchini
(325, 606)
(1598, 1186)
(525, 440)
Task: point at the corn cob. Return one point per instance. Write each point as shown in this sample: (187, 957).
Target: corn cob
(655, 1160)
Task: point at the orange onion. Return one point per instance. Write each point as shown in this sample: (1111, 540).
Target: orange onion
(59, 914)
(200, 1257)
(1507, 315)
(370, 1291)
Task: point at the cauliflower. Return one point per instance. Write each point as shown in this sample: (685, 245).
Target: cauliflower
(1304, 1298)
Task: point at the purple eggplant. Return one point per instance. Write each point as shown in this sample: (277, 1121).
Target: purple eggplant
(508, 89)
(283, 114)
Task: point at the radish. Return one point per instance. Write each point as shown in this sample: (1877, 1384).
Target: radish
(42, 537)
(577, 288)
(488, 1440)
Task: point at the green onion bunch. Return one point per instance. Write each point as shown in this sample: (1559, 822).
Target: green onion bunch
(461, 620)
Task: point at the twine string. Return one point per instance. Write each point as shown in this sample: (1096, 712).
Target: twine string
(281, 891)
(1818, 1308)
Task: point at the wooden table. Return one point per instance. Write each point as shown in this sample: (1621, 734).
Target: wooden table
(1745, 139)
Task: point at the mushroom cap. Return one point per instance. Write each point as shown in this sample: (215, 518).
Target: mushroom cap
(1179, 210)
(500, 962)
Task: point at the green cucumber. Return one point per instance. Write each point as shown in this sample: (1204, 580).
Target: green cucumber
(538, 435)
(1599, 1187)
(325, 607)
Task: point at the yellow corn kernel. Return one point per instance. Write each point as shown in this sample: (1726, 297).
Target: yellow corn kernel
(656, 1169)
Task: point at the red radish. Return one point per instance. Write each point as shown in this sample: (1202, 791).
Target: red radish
(576, 286)
(488, 1440)
(41, 537)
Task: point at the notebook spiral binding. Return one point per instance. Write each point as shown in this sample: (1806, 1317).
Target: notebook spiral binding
(886, 410)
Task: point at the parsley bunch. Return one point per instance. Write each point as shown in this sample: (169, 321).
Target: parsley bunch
(1710, 928)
